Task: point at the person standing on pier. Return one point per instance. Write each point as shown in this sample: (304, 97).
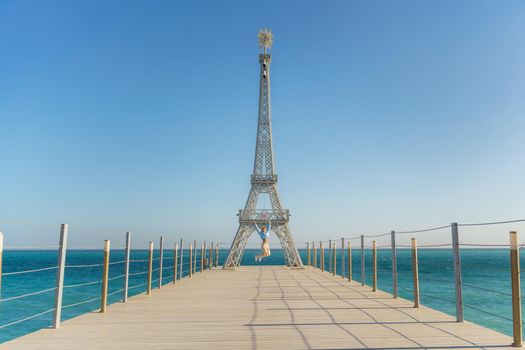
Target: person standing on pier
(264, 233)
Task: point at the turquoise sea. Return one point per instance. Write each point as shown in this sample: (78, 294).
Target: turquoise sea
(486, 278)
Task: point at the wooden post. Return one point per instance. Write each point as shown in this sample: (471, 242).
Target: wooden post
(415, 273)
(126, 266)
(175, 258)
(362, 260)
(191, 260)
(181, 265)
(308, 253)
(457, 272)
(516, 289)
(161, 258)
(150, 267)
(394, 263)
(194, 256)
(62, 250)
(343, 257)
(349, 262)
(105, 276)
(334, 263)
(1, 255)
(374, 266)
(315, 254)
(330, 256)
(216, 254)
(210, 258)
(203, 252)
(321, 247)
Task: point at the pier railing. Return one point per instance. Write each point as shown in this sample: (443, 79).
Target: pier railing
(335, 257)
(136, 271)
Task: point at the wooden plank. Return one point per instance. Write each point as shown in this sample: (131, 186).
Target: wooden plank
(263, 307)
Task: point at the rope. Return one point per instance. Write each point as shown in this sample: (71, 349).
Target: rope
(26, 318)
(80, 303)
(492, 223)
(27, 295)
(29, 271)
(82, 284)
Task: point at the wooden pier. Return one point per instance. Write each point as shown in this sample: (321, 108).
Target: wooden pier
(264, 307)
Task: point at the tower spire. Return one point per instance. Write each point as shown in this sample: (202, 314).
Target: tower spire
(264, 179)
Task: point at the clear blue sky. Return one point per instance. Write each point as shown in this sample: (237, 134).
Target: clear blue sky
(141, 115)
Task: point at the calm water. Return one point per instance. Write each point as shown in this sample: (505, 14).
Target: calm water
(481, 268)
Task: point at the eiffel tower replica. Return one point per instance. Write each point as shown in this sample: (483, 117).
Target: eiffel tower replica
(264, 179)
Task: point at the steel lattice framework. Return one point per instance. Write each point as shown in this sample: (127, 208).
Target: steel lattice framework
(264, 179)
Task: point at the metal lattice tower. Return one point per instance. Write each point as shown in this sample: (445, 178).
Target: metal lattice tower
(264, 179)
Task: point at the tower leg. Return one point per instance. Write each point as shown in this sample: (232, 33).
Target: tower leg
(237, 248)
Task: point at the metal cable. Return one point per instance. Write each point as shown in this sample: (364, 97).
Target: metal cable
(117, 262)
(434, 245)
(493, 223)
(136, 286)
(116, 277)
(424, 230)
(29, 271)
(80, 303)
(488, 313)
(438, 298)
(82, 284)
(168, 267)
(486, 289)
(115, 292)
(27, 295)
(136, 261)
(483, 245)
(378, 235)
(21, 247)
(137, 273)
(81, 266)
(26, 318)
(28, 223)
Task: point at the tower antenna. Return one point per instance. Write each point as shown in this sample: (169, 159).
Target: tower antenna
(265, 39)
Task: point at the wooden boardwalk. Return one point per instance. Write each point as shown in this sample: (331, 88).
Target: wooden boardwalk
(269, 307)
